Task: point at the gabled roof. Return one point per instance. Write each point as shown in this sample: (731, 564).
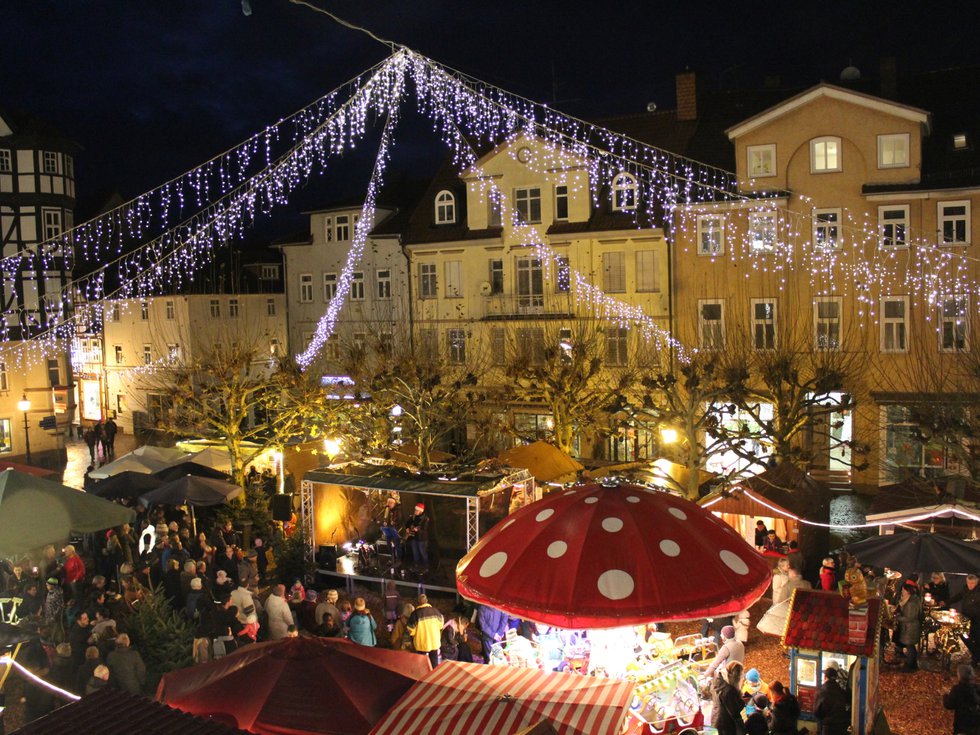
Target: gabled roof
(913, 114)
(111, 711)
(824, 621)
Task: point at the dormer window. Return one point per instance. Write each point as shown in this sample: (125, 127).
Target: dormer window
(960, 142)
(623, 193)
(825, 155)
(445, 208)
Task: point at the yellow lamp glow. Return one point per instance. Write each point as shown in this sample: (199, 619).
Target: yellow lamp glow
(668, 435)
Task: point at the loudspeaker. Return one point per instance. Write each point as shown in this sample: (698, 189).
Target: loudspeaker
(281, 507)
(326, 557)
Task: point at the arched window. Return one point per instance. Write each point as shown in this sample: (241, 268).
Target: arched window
(623, 193)
(445, 208)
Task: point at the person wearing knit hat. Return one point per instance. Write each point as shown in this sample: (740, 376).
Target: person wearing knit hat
(754, 684)
(756, 722)
(731, 649)
(417, 533)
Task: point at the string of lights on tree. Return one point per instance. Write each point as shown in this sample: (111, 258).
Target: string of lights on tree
(230, 191)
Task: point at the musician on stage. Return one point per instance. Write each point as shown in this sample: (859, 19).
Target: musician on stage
(417, 535)
(391, 518)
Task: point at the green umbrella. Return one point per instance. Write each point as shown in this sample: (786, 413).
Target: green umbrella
(35, 512)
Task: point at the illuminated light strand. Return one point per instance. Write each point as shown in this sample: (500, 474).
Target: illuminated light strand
(27, 673)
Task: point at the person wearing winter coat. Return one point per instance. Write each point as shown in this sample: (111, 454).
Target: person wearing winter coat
(126, 666)
(828, 575)
(361, 625)
(964, 700)
(968, 600)
(831, 704)
(277, 609)
(425, 627)
(909, 618)
(401, 639)
(731, 649)
(784, 712)
(726, 701)
(454, 644)
(493, 626)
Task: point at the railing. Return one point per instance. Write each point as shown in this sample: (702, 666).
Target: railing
(530, 306)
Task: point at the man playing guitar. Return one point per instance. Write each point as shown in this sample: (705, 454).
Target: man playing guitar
(417, 536)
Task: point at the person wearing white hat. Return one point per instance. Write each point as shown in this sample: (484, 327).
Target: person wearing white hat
(417, 533)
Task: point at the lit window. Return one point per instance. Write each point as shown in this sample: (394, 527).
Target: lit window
(454, 279)
(827, 323)
(894, 323)
(647, 271)
(712, 324)
(761, 160)
(826, 229)
(173, 352)
(456, 339)
(215, 308)
(561, 203)
(445, 208)
(893, 151)
(306, 288)
(384, 284)
(893, 221)
(269, 272)
(711, 234)
(954, 222)
(614, 272)
(624, 193)
(427, 281)
(342, 229)
(527, 202)
(329, 286)
(6, 161)
(762, 231)
(357, 286)
(825, 155)
(954, 324)
(617, 345)
(232, 308)
(50, 162)
(960, 141)
(6, 446)
(764, 324)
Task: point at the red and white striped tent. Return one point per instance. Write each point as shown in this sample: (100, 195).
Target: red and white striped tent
(473, 699)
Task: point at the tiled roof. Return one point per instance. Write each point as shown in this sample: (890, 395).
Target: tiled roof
(824, 621)
(115, 712)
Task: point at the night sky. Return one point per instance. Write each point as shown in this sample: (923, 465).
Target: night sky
(149, 89)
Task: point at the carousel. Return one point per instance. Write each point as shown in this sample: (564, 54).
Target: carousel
(594, 567)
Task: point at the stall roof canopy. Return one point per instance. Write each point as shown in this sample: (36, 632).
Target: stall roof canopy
(785, 487)
(393, 479)
(917, 492)
(824, 621)
(543, 460)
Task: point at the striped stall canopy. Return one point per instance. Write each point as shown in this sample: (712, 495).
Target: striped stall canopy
(473, 699)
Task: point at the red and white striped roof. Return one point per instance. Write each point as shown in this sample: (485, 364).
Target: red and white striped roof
(473, 699)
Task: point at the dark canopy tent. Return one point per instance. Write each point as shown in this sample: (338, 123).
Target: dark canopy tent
(918, 552)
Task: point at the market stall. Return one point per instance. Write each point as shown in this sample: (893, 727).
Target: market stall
(543, 460)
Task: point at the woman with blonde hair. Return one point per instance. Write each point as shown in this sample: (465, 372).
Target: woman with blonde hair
(726, 699)
(401, 639)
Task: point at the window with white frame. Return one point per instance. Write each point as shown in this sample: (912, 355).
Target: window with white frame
(4, 385)
(427, 281)
(496, 276)
(445, 208)
(647, 271)
(527, 203)
(617, 345)
(6, 445)
(384, 284)
(329, 287)
(563, 274)
(233, 308)
(215, 308)
(530, 283)
(454, 279)
(144, 311)
(826, 229)
(827, 323)
(493, 210)
(761, 160)
(6, 161)
(328, 229)
(50, 162)
(954, 222)
(825, 155)
(456, 342)
(711, 234)
(170, 310)
(561, 202)
(115, 313)
(147, 354)
(270, 307)
(893, 150)
(54, 372)
(342, 227)
(306, 288)
(711, 322)
(954, 324)
(614, 272)
(357, 286)
(52, 223)
(624, 193)
(893, 224)
(762, 232)
(763, 324)
(269, 272)
(117, 352)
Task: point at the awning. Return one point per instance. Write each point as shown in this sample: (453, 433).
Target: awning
(543, 460)
(471, 699)
(924, 514)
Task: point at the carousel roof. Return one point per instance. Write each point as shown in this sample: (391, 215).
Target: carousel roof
(601, 556)
(825, 621)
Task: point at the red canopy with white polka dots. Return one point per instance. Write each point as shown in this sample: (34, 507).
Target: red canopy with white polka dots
(602, 556)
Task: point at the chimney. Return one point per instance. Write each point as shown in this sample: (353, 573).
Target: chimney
(687, 95)
(888, 72)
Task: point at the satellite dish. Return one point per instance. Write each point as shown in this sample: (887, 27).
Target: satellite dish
(651, 106)
(485, 288)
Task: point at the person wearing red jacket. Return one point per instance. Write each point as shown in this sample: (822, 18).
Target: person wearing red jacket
(74, 572)
(828, 575)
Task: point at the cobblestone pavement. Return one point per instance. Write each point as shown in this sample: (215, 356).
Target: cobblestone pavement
(73, 473)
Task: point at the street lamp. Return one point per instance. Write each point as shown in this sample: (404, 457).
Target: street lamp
(25, 405)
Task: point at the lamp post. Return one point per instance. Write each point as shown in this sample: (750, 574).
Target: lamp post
(25, 405)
